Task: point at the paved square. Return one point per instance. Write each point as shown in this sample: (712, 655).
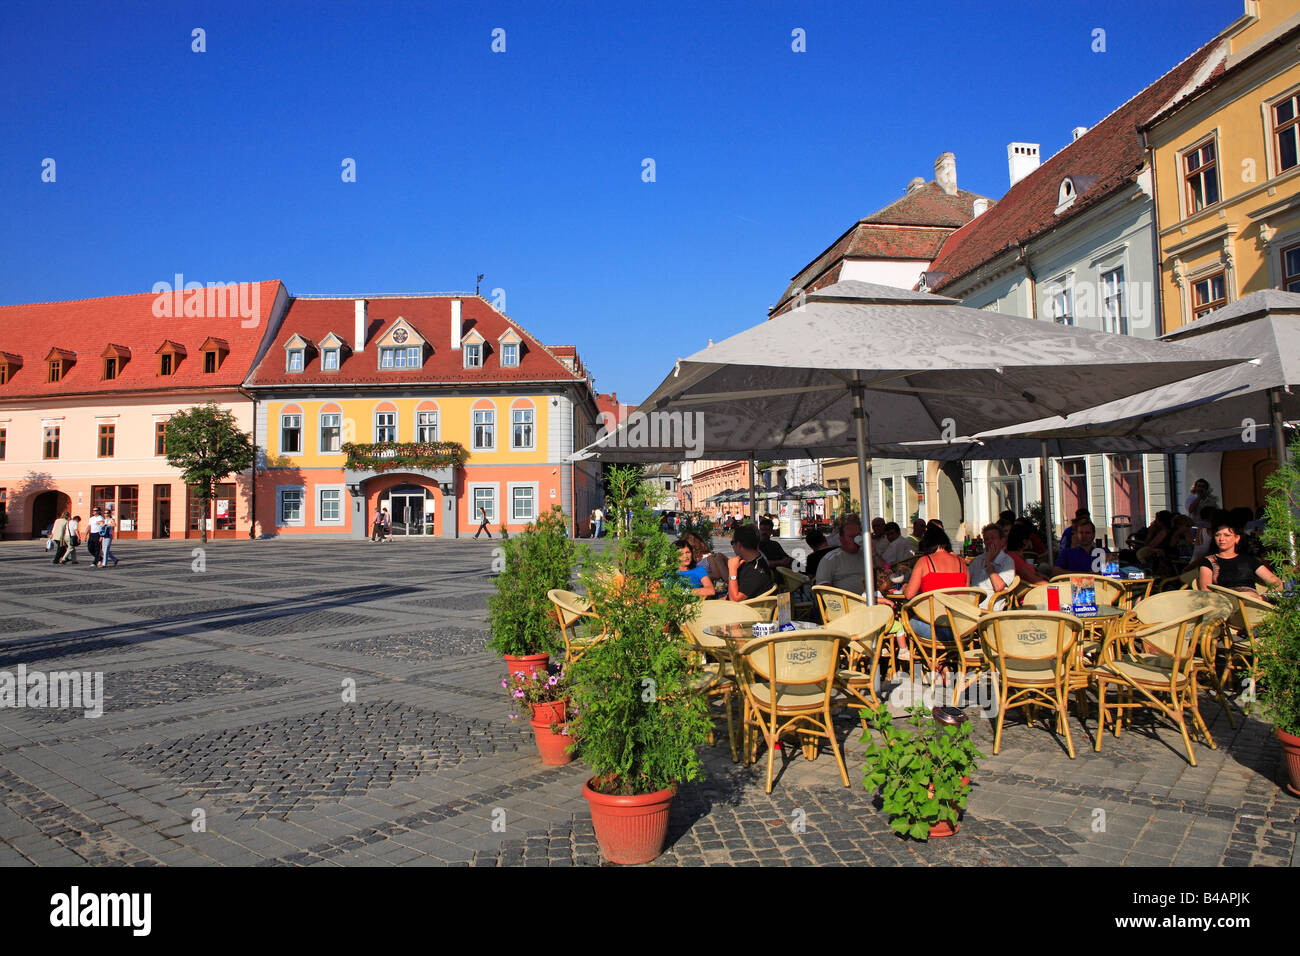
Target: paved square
(331, 703)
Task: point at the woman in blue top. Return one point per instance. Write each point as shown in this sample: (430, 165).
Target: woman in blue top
(697, 577)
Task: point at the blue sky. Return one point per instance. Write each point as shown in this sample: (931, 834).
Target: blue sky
(526, 165)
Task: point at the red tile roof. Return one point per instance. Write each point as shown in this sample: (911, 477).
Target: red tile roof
(610, 405)
(927, 205)
(1111, 152)
(430, 316)
(88, 326)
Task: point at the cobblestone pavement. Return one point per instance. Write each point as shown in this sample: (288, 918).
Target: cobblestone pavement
(331, 703)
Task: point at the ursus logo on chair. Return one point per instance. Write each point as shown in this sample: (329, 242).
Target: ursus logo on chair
(801, 654)
(1032, 637)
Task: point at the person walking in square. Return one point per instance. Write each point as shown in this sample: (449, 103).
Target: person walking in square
(59, 535)
(106, 535)
(600, 522)
(377, 528)
(483, 523)
(95, 528)
(74, 539)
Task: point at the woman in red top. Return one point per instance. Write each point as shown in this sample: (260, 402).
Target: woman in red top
(937, 568)
(1015, 547)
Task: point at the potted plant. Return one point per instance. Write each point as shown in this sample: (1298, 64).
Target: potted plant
(640, 727)
(544, 695)
(922, 770)
(524, 627)
(1277, 639)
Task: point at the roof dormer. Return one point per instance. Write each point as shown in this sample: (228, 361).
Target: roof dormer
(295, 353)
(9, 363)
(115, 358)
(401, 347)
(331, 352)
(57, 364)
(1065, 195)
(472, 346)
(170, 355)
(511, 344)
(214, 352)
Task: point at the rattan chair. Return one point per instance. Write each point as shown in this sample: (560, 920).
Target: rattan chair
(796, 585)
(866, 632)
(582, 630)
(1005, 595)
(715, 675)
(1105, 590)
(1165, 665)
(788, 680)
(834, 602)
(1248, 612)
(965, 618)
(1030, 653)
(764, 603)
(935, 650)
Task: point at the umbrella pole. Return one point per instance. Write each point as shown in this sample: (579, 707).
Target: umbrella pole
(1279, 441)
(868, 553)
(753, 498)
(1045, 492)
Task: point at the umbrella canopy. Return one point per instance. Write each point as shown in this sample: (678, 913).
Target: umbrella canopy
(1241, 406)
(862, 362)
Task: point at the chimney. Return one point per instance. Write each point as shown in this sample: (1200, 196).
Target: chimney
(359, 334)
(916, 183)
(1022, 159)
(1077, 132)
(979, 207)
(456, 332)
(945, 173)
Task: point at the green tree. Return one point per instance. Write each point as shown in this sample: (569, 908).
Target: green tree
(1277, 640)
(207, 445)
(538, 561)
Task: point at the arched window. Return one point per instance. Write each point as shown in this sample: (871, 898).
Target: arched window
(523, 421)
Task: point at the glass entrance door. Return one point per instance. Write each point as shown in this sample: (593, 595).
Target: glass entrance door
(407, 512)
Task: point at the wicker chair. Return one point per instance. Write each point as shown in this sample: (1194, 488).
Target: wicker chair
(834, 602)
(935, 650)
(581, 629)
(866, 635)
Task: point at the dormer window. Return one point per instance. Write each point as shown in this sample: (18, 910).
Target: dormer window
(473, 355)
(1065, 195)
(57, 364)
(209, 362)
(56, 371)
(295, 360)
(509, 355)
(331, 352)
(110, 368)
(401, 347)
(329, 360)
(214, 353)
(169, 358)
(8, 365)
(115, 358)
(407, 356)
(295, 353)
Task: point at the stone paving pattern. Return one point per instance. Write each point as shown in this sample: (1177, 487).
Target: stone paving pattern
(225, 694)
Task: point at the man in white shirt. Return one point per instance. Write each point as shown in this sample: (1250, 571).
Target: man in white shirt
(897, 547)
(842, 568)
(993, 570)
(93, 528)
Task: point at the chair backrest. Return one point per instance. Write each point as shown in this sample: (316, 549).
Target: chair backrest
(833, 602)
(1176, 640)
(1003, 596)
(1028, 644)
(765, 604)
(569, 606)
(1105, 590)
(863, 623)
(791, 581)
(1248, 610)
(1173, 604)
(709, 613)
(794, 659)
(964, 616)
(927, 608)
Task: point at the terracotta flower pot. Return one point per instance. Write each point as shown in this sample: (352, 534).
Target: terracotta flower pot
(529, 664)
(550, 712)
(1291, 758)
(944, 829)
(632, 829)
(552, 746)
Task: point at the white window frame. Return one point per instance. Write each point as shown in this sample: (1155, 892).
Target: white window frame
(437, 424)
(880, 497)
(329, 360)
(284, 416)
(320, 433)
(1119, 322)
(509, 354)
(301, 520)
(378, 426)
(1061, 304)
(532, 428)
(474, 426)
(341, 491)
(1184, 190)
(473, 352)
(288, 361)
(471, 494)
(534, 487)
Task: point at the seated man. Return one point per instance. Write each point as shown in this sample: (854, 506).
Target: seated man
(993, 570)
(747, 570)
(1067, 539)
(820, 548)
(771, 548)
(1078, 558)
(842, 568)
(896, 547)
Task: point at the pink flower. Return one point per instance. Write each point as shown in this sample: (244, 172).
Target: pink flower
(505, 683)
(553, 681)
(519, 693)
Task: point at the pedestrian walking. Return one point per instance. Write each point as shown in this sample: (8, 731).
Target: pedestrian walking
(386, 531)
(600, 522)
(483, 523)
(74, 539)
(106, 536)
(59, 535)
(377, 528)
(95, 527)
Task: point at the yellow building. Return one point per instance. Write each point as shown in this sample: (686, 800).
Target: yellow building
(1226, 155)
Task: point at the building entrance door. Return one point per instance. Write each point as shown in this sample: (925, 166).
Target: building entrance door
(407, 511)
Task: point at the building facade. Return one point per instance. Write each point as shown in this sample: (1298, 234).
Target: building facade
(438, 410)
(87, 387)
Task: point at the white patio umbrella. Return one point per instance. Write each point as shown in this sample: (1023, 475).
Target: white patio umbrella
(922, 367)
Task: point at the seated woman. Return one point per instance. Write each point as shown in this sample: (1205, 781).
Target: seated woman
(697, 576)
(715, 565)
(1230, 568)
(937, 568)
(1015, 548)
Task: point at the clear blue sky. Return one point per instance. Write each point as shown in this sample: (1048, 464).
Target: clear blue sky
(527, 165)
